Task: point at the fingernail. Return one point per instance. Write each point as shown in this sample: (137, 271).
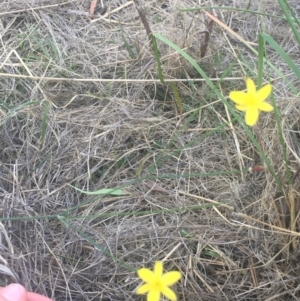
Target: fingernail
(13, 292)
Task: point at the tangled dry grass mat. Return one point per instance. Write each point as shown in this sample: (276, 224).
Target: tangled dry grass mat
(82, 105)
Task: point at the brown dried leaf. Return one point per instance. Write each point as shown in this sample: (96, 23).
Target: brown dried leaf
(154, 186)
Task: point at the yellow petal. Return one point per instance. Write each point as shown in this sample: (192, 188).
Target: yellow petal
(251, 116)
(146, 275)
(264, 106)
(153, 295)
(170, 278)
(143, 289)
(250, 86)
(158, 269)
(238, 97)
(169, 293)
(241, 107)
(263, 93)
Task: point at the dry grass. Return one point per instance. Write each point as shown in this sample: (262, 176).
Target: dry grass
(107, 134)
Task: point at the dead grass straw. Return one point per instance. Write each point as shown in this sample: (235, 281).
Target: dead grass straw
(110, 122)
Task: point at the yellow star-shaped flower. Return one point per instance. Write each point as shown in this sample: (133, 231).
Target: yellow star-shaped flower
(157, 283)
(252, 101)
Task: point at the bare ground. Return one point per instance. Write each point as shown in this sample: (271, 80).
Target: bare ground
(191, 200)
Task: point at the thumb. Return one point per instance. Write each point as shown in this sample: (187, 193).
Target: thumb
(13, 292)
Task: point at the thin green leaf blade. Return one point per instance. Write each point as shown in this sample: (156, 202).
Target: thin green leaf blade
(261, 53)
(156, 53)
(104, 191)
(282, 53)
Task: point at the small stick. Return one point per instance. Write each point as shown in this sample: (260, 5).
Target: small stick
(207, 33)
(143, 19)
(92, 8)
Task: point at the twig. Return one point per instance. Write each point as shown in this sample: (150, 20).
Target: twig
(93, 8)
(143, 19)
(207, 33)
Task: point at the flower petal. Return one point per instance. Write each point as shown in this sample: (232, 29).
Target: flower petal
(239, 97)
(169, 293)
(263, 93)
(170, 278)
(241, 107)
(158, 269)
(146, 275)
(250, 86)
(143, 289)
(264, 106)
(153, 295)
(251, 116)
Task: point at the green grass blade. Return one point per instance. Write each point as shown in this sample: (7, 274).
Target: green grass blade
(126, 44)
(65, 215)
(44, 122)
(177, 98)
(291, 18)
(260, 65)
(104, 191)
(230, 108)
(157, 57)
(282, 53)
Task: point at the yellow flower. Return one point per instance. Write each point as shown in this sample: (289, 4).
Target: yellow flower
(157, 283)
(252, 101)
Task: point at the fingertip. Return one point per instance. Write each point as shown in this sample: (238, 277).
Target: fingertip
(36, 297)
(13, 292)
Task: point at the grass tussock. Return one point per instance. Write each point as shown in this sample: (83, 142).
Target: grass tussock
(81, 105)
